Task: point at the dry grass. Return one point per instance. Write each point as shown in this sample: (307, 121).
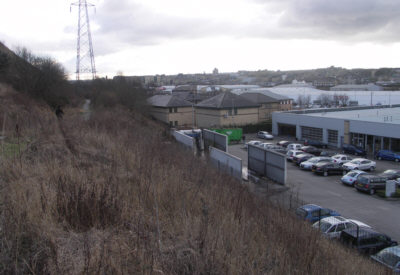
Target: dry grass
(114, 195)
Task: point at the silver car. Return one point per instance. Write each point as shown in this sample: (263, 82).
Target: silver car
(389, 257)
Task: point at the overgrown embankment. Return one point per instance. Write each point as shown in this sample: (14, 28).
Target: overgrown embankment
(115, 195)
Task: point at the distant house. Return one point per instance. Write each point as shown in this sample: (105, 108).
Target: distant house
(226, 109)
(285, 103)
(355, 87)
(171, 109)
(267, 104)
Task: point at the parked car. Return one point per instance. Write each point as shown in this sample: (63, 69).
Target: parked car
(351, 177)
(354, 150)
(370, 183)
(366, 240)
(252, 142)
(311, 150)
(360, 164)
(331, 227)
(387, 155)
(292, 153)
(315, 143)
(265, 135)
(265, 145)
(294, 146)
(302, 157)
(313, 212)
(328, 168)
(283, 143)
(339, 158)
(389, 257)
(326, 154)
(307, 165)
(390, 174)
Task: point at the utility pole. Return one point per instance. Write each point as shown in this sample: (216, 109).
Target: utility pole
(84, 46)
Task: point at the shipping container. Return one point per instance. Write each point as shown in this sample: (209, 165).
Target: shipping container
(234, 134)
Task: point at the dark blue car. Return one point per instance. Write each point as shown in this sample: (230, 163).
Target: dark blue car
(387, 155)
(354, 150)
(313, 212)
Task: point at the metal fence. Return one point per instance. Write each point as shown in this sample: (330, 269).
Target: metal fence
(267, 163)
(215, 140)
(184, 139)
(226, 163)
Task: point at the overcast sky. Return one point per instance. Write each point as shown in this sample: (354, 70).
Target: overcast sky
(139, 37)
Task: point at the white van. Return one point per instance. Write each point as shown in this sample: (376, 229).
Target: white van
(294, 146)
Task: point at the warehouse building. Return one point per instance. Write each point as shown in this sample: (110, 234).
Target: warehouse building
(372, 128)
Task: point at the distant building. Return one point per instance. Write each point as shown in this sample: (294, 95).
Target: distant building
(285, 103)
(171, 109)
(357, 87)
(226, 109)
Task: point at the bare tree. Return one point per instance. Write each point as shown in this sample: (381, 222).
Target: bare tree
(304, 101)
(325, 99)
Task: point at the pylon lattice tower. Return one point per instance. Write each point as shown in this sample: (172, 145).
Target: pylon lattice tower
(84, 46)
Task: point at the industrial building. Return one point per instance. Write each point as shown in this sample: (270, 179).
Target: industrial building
(372, 128)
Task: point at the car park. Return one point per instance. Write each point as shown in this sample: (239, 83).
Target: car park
(253, 142)
(311, 150)
(390, 257)
(315, 143)
(313, 212)
(366, 240)
(339, 158)
(387, 155)
(294, 146)
(360, 164)
(327, 168)
(307, 165)
(331, 227)
(354, 150)
(326, 154)
(264, 135)
(302, 157)
(370, 183)
(283, 143)
(292, 153)
(351, 177)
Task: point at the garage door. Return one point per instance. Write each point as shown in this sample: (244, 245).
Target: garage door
(311, 133)
(287, 130)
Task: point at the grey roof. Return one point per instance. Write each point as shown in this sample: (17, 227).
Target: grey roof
(168, 101)
(259, 98)
(226, 100)
(265, 92)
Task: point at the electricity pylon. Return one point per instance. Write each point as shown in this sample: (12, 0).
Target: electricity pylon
(84, 46)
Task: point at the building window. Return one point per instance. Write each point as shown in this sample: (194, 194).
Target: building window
(175, 110)
(233, 112)
(171, 123)
(311, 133)
(176, 123)
(170, 110)
(333, 137)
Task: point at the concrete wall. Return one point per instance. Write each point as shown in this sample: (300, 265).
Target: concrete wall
(220, 117)
(184, 139)
(226, 163)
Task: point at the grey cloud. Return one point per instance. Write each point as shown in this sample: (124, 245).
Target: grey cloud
(126, 23)
(357, 20)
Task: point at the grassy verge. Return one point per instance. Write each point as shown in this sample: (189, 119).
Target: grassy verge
(382, 193)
